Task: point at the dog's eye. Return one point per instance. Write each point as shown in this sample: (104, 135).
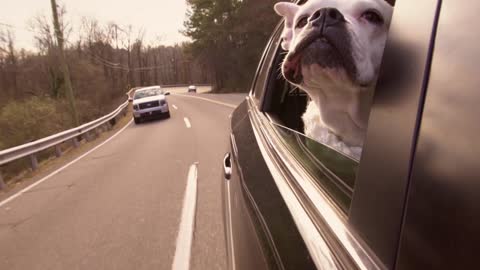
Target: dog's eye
(372, 17)
(302, 22)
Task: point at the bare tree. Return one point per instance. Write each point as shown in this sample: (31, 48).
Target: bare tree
(63, 63)
(9, 61)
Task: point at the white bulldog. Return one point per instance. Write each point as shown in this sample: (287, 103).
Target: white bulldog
(335, 49)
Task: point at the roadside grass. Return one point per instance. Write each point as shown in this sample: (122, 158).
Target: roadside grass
(19, 173)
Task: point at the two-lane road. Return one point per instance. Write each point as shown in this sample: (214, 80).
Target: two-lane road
(120, 207)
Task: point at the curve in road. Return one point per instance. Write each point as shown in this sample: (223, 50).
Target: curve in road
(119, 207)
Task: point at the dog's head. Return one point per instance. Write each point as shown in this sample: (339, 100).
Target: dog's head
(337, 42)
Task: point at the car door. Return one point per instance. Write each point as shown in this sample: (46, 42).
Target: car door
(380, 194)
(442, 220)
(260, 231)
(312, 207)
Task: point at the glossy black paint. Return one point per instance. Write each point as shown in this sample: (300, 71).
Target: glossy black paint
(380, 191)
(416, 202)
(443, 213)
(261, 202)
(244, 249)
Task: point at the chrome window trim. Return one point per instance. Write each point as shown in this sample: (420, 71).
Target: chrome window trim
(274, 119)
(322, 225)
(263, 64)
(339, 182)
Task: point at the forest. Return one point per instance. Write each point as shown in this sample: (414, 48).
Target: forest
(105, 60)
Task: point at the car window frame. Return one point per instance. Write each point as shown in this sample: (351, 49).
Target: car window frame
(269, 107)
(354, 229)
(257, 91)
(330, 223)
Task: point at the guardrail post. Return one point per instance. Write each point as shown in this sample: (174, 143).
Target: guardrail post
(88, 136)
(75, 142)
(34, 162)
(58, 151)
(2, 183)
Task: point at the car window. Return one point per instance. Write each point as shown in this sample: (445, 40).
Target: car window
(334, 172)
(331, 163)
(147, 93)
(262, 73)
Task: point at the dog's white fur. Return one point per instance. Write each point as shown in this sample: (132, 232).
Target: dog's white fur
(338, 112)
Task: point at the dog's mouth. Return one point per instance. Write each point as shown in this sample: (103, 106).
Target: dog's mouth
(292, 65)
(292, 68)
(328, 50)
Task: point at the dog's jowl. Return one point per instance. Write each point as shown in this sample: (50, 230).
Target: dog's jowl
(334, 53)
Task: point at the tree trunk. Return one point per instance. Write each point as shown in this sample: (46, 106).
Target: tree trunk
(63, 64)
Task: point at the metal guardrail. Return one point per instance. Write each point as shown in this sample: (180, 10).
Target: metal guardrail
(185, 85)
(32, 148)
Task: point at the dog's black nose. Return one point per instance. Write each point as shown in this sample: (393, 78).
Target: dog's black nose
(326, 16)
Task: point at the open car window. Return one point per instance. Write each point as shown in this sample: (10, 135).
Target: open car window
(334, 171)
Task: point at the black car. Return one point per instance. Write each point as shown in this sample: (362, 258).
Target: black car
(412, 201)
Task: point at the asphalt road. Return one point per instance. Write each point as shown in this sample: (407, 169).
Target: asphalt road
(120, 206)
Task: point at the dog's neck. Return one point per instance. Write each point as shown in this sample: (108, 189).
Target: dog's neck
(343, 111)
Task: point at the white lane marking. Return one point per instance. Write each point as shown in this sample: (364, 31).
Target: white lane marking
(175, 107)
(18, 194)
(187, 122)
(210, 100)
(183, 248)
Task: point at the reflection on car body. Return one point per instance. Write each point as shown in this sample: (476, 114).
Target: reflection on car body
(410, 201)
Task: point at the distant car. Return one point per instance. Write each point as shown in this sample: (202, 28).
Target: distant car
(150, 103)
(192, 88)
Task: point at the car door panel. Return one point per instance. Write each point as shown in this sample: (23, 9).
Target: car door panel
(381, 185)
(259, 200)
(442, 220)
(243, 245)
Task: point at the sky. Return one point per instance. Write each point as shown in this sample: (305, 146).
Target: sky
(161, 19)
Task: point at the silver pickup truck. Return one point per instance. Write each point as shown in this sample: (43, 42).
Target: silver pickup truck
(150, 102)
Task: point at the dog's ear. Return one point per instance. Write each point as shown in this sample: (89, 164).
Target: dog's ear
(287, 10)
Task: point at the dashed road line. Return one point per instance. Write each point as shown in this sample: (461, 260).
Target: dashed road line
(175, 107)
(187, 122)
(183, 248)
